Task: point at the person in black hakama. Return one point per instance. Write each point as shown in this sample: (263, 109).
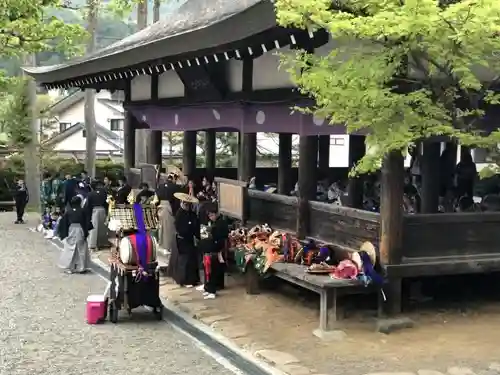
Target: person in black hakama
(95, 207)
(144, 195)
(69, 189)
(212, 248)
(184, 268)
(167, 209)
(73, 230)
(21, 198)
(123, 191)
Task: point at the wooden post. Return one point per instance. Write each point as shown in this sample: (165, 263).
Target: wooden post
(210, 144)
(128, 133)
(355, 186)
(32, 148)
(155, 137)
(431, 178)
(189, 153)
(249, 156)
(285, 164)
(308, 160)
(324, 156)
(248, 147)
(240, 156)
(391, 223)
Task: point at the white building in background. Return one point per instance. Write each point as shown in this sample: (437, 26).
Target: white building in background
(64, 131)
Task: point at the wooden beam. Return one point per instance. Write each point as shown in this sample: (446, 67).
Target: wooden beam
(431, 179)
(189, 153)
(155, 141)
(308, 161)
(200, 82)
(391, 208)
(210, 145)
(128, 134)
(285, 164)
(248, 148)
(355, 186)
(324, 156)
(391, 226)
(271, 95)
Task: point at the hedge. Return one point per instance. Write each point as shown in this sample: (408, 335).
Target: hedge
(13, 168)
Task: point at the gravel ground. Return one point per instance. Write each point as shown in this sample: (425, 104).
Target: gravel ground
(43, 328)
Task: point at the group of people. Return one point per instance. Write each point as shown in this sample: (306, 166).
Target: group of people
(82, 227)
(180, 221)
(77, 209)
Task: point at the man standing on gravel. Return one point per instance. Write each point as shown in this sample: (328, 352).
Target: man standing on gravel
(21, 198)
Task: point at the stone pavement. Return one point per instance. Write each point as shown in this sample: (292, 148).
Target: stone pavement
(276, 327)
(43, 328)
(279, 338)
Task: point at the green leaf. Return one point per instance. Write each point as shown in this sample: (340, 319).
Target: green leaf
(401, 71)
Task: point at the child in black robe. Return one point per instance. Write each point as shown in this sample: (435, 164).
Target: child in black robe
(214, 264)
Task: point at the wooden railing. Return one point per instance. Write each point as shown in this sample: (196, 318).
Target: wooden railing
(344, 226)
(451, 235)
(279, 211)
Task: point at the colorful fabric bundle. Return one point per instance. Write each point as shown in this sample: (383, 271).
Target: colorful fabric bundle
(346, 270)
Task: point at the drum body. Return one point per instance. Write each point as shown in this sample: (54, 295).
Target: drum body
(128, 252)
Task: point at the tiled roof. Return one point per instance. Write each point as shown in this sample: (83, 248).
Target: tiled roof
(196, 25)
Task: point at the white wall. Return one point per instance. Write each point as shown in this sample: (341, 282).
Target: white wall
(76, 142)
(76, 113)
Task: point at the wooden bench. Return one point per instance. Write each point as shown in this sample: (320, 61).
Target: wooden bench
(329, 291)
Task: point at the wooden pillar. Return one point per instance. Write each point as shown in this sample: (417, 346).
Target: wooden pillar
(240, 159)
(248, 147)
(189, 153)
(308, 161)
(453, 148)
(128, 133)
(210, 140)
(285, 164)
(355, 186)
(155, 137)
(248, 156)
(324, 156)
(391, 224)
(431, 179)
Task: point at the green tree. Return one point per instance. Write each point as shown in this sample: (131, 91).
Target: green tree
(403, 69)
(26, 27)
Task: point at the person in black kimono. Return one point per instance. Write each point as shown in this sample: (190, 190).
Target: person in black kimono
(185, 267)
(212, 248)
(108, 186)
(96, 209)
(73, 230)
(144, 194)
(21, 198)
(167, 208)
(85, 178)
(123, 191)
(69, 189)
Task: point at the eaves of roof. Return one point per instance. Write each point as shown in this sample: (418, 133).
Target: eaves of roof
(197, 25)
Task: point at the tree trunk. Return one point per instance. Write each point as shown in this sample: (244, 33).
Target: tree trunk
(141, 144)
(156, 10)
(90, 123)
(31, 150)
